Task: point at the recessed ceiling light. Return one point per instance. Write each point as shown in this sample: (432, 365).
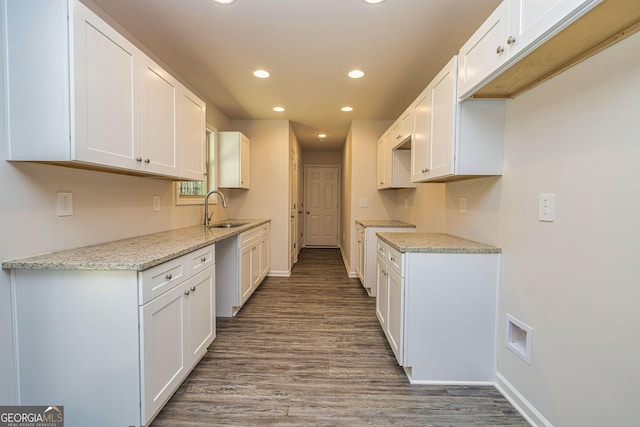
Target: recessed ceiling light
(356, 74)
(261, 74)
(224, 1)
(347, 108)
(278, 109)
(373, 1)
(322, 135)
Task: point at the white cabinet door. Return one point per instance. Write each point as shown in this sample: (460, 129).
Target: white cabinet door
(265, 253)
(201, 311)
(485, 51)
(384, 160)
(245, 279)
(163, 340)
(395, 330)
(530, 20)
(233, 160)
(245, 156)
(256, 270)
(435, 120)
(159, 120)
(421, 145)
(443, 121)
(192, 130)
(107, 93)
(382, 293)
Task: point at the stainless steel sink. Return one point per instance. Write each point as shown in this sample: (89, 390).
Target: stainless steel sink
(229, 224)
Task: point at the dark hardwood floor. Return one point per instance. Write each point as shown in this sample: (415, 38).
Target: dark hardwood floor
(308, 351)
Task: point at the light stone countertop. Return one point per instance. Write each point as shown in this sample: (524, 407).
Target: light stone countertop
(135, 253)
(436, 243)
(383, 223)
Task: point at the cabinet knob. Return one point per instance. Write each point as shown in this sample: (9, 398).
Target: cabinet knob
(398, 136)
(193, 289)
(499, 50)
(139, 159)
(169, 276)
(147, 161)
(511, 40)
(187, 293)
(203, 259)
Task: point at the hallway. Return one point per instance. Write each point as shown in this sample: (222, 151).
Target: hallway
(308, 350)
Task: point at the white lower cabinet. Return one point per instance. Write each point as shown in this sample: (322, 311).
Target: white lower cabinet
(438, 312)
(177, 328)
(97, 340)
(243, 263)
(367, 252)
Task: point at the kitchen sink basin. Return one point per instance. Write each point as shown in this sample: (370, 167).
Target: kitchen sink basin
(228, 224)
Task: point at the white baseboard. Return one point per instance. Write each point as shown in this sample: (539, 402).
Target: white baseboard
(351, 273)
(522, 405)
(279, 273)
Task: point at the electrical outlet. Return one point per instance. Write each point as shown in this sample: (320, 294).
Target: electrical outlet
(64, 206)
(156, 203)
(546, 207)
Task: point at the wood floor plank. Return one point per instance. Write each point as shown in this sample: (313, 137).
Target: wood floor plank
(308, 351)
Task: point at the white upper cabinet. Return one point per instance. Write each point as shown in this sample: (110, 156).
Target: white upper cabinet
(531, 20)
(484, 52)
(402, 129)
(515, 28)
(107, 93)
(384, 162)
(193, 129)
(159, 130)
(233, 160)
(455, 140)
(98, 101)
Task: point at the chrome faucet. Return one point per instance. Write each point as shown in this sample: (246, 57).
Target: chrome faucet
(207, 217)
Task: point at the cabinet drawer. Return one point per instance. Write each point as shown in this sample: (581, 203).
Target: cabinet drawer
(394, 261)
(265, 229)
(382, 250)
(249, 237)
(201, 259)
(159, 279)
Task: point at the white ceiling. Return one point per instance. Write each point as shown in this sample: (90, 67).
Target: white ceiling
(308, 46)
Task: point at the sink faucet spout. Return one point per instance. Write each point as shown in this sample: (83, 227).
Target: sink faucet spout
(207, 217)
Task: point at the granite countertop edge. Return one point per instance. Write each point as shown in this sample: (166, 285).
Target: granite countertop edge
(383, 223)
(135, 253)
(435, 243)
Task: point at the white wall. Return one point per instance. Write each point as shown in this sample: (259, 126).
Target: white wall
(575, 281)
(269, 176)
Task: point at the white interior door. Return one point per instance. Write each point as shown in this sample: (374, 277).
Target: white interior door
(321, 205)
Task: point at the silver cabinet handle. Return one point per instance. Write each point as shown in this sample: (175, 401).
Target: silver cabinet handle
(147, 161)
(187, 293)
(511, 40)
(499, 50)
(193, 289)
(139, 159)
(203, 259)
(169, 276)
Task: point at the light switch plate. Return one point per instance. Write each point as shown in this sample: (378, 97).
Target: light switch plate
(463, 205)
(364, 203)
(547, 207)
